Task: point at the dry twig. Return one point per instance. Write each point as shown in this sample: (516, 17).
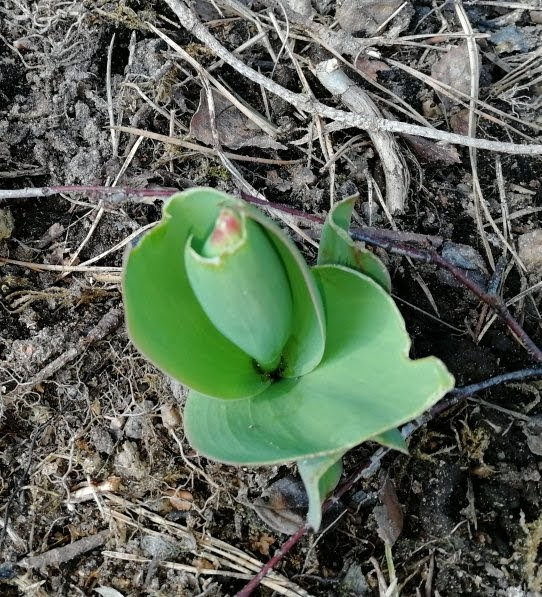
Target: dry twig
(191, 23)
(396, 172)
(109, 322)
(61, 555)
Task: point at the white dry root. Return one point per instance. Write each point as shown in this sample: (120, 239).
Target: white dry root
(335, 80)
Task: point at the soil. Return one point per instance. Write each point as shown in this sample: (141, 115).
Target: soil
(106, 423)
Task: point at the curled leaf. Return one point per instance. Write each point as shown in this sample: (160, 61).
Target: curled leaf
(320, 477)
(336, 246)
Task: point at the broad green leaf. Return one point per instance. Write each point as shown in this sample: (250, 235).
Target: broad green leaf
(320, 476)
(305, 347)
(392, 439)
(364, 386)
(337, 248)
(163, 316)
(245, 290)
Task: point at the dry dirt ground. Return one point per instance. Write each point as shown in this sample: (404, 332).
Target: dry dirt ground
(99, 492)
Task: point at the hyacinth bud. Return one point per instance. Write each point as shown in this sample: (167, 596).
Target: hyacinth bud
(241, 284)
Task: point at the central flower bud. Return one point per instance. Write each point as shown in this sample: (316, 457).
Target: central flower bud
(226, 235)
(242, 285)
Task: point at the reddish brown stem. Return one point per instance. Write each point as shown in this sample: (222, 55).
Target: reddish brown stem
(255, 581)
(430, 255)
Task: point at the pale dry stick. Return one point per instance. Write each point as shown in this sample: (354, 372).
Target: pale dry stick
(88, 235)
(266, 126)
(119, 245)
(127, 161)
(46, 267)
(382, 584)
(226, 551)
(233, 556)
(474, 64)
(238, 50)
(265, 102)
(521, 295)
(192, 24)
(283, 39)
(451, 327)
(312, 135)
(536, 5)
(515, 75)
(325, 140)
(275, 586)
(107, 324)
(129, 557)
(385, 23)
(113, 195)
(199, 472)
(191, 541)
(171, 121)
(526, 211)
(335, 80)
(201, 148)
(504, 204)
(353, 142)
(109, 93)
(61, 555)
(502, 409)
(115, 147)
(398, 102)
(473, 57)
(425, 53)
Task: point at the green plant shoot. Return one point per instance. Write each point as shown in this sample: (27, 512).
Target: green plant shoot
(284, 362)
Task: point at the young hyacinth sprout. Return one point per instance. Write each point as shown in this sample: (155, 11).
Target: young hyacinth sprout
(284, 362)
(241, 284)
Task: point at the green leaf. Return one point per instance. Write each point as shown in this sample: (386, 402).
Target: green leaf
(163, 316)
(392, 439)
(320, 476)
(364, 386)
(305, 347)
(337, 248)
(245, 291)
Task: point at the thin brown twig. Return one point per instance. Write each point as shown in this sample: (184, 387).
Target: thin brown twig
(109, 322)
(61, 555)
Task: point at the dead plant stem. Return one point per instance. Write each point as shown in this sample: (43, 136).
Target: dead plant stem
(302, 102)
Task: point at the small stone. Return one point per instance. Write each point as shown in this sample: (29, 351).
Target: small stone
(128, 462)
(530, 250)
(154, 546)
(171, 417)
(102, 440)
(181, 499)
(6, 224)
